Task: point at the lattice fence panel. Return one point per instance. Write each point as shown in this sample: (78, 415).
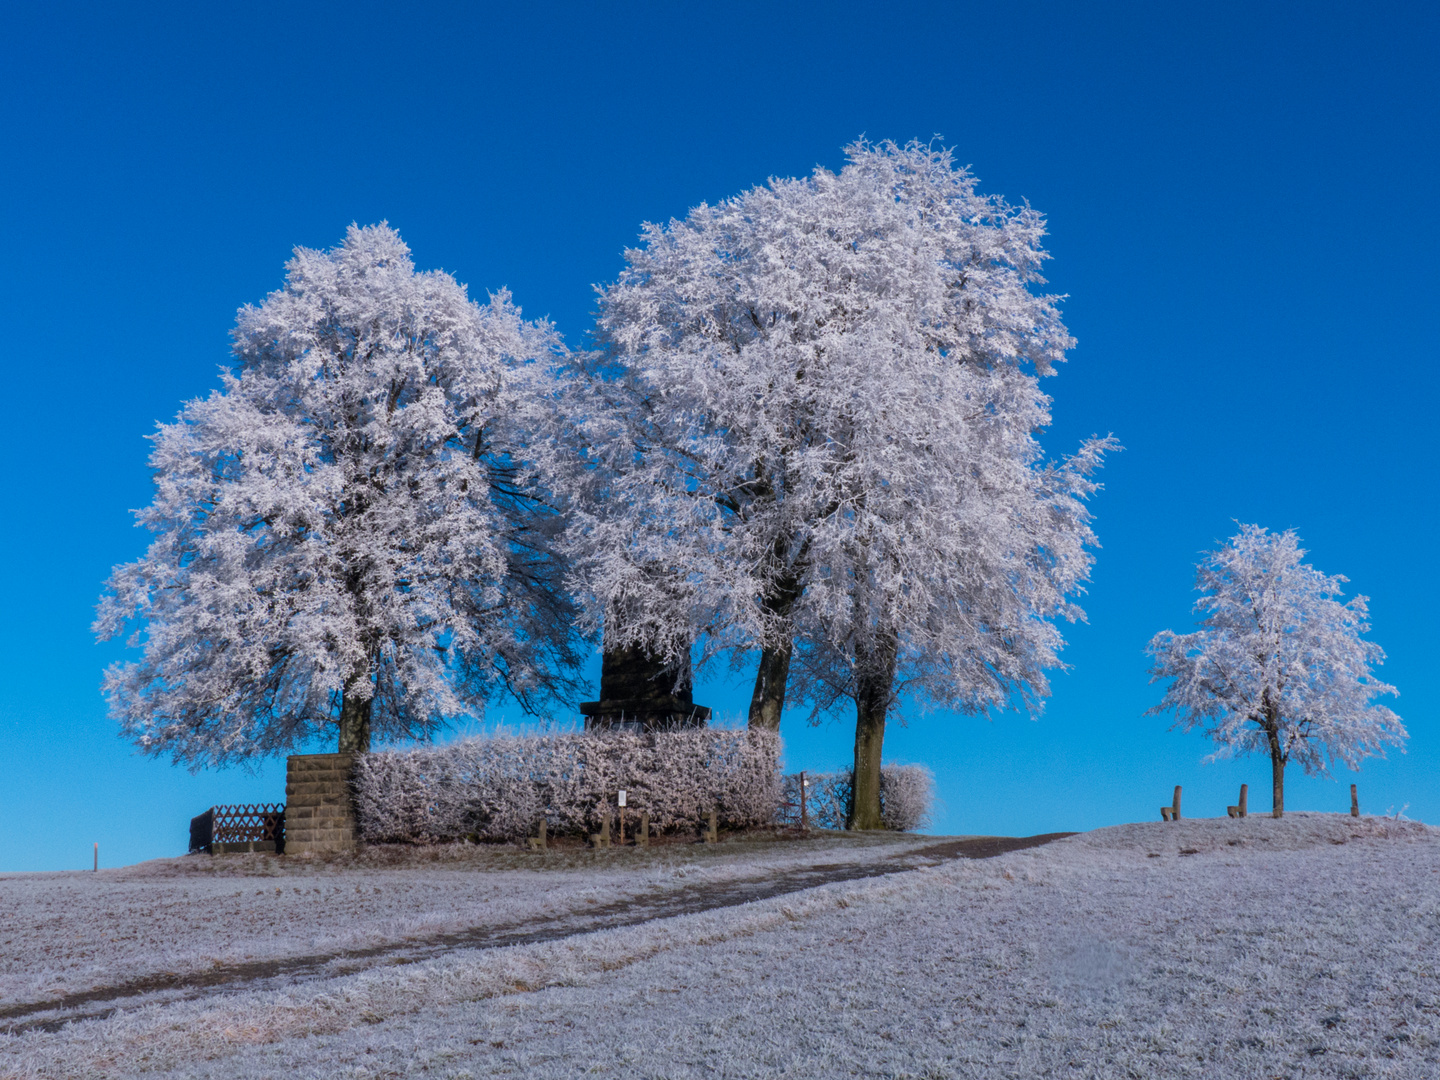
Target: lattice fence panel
(251, 821)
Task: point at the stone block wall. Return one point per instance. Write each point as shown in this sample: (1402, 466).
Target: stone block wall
(319, 804)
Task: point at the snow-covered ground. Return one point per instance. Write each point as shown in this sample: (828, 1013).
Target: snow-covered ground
(1209, 948)
(66, 933)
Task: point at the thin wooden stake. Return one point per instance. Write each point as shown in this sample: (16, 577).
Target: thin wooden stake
(1354, 801)
(1175, 811)
(97, 856)
(804, 817)
(643, 839)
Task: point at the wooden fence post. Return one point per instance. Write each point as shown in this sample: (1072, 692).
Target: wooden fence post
(601, 839)
(1244, 799)
(712, 831)
(643, 838)
(1354, 801)
(1175, 807)
(804, 817)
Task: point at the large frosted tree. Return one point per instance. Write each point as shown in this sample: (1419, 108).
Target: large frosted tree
(349, 536)
(1278, 665)
(831, 391)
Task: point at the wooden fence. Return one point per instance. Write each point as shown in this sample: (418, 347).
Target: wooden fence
(241, 827)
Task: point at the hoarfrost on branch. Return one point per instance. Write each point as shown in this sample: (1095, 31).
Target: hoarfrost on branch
(350, 527)
(1279, 665)
(499, 788)
(831, 392)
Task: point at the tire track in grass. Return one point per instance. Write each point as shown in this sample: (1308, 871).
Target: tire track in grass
(274, 974)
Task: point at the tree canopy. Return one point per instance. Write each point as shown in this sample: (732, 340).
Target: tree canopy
(810, 429)
(1278, 665)
(831, 392)
(353, 529)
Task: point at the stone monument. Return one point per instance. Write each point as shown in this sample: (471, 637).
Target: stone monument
(640, 693)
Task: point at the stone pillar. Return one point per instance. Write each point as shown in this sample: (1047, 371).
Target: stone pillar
(319, 804)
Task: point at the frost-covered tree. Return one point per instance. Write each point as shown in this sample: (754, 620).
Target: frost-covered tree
(349, 532)
(1279, 665)
(832, 394)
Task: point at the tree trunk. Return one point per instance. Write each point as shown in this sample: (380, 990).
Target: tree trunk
(354, 718)
(872, 701)
(1277, 783)
(768, 699)
(1277, 773)
(355, 710)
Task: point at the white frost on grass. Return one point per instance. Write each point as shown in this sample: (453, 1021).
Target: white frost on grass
(70, 932)
(1307, 948)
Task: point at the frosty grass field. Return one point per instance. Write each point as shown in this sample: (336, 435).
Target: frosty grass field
(1305, 947)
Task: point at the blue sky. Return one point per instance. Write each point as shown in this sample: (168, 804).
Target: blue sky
(1242, 203)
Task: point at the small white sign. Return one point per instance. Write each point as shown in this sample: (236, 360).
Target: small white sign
(622, 798)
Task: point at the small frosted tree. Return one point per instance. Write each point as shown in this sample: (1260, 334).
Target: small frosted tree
(1279, 666)
(830, 392)
(349, 533)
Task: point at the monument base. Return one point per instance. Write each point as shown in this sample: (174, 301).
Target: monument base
(644, 714)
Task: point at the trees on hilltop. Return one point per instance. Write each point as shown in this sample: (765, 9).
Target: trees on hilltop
(1278, 665)
(810, 432)
(830, 392)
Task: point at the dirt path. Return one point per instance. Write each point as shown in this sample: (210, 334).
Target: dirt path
(274, 974)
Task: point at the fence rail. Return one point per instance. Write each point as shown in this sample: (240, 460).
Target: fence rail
(823, 800)
(796, 809)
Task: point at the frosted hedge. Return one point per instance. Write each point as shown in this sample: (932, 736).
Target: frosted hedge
(907, 796)
(498, 788)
